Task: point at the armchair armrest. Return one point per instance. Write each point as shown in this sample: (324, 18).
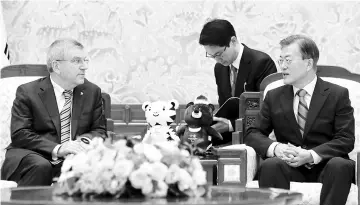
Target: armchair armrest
(249, 107)
(107, 110)
(357, 176)
(236, 159)
(238, 134)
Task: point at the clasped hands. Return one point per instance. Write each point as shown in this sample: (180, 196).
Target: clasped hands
(292, 155)
(71, 147)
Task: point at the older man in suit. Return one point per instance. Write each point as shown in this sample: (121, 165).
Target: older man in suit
(50, 114)
(238, 69)
(313, 121)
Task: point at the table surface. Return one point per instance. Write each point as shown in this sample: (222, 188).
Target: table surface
(218, 194)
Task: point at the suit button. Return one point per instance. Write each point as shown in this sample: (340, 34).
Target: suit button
(304, 146)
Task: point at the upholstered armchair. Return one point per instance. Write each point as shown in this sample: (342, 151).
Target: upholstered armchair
(13, 76)
(250, 105)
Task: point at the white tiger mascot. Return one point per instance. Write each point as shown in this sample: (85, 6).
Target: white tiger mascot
(159, 115)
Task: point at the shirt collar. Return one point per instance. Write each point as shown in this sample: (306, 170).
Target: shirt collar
(309, 88)
(57, 88)
(236, 63)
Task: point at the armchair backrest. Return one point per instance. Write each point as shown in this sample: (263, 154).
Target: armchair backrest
(11, 77)
(333, 74)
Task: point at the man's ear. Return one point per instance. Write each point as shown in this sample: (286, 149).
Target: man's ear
(310, 64)
(189, 104)
(234, 40)
(55, 66)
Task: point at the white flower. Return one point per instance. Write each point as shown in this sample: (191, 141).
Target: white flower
(115, 186)
(123, 168)
(184, 153)
(120, 144)
(81, 164)
(105, 175)
(139, 178)
(66, 175)
(106, 169)
(161, 189)
(139, 148)
(108, 159)
(173, 174)
(147, 187)
(196, 164)
(168, 148)
(95, 142)
(67, 164)
(199, 177)
(121, 147)
(149, 150)
(158, 171)
(185, 181)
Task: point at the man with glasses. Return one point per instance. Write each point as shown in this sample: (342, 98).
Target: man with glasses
(313, 121)
(50, 115)
(238, 68)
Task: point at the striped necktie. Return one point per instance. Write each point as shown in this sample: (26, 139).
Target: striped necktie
(233, 76)
(65, 119)
(302, 110)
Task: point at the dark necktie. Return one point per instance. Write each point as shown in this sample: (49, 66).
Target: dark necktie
(233, 76)
(302, 110)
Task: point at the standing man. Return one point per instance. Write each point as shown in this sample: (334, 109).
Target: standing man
(313, 121)
(50, 114)
(238, 68)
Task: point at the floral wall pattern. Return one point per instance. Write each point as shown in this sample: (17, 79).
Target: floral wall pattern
(148, 50)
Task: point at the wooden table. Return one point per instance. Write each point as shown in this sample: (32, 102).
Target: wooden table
(218, 194)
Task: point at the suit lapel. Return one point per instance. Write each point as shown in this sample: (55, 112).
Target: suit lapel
(320, 94)
(47, 96)
(287, 102)
(224, 75)
(77, 106)
(244, 71)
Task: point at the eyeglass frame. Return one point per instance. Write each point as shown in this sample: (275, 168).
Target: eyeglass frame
(217, 55)
(288, 62)
(77, 60)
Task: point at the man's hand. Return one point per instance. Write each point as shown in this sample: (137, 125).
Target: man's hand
(279, 150)
(70, 147)
(296, 156)
(222, 124)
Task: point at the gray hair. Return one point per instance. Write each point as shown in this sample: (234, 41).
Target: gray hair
(58, 50)
(307, 46)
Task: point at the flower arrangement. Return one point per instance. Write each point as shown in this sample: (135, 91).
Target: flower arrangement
(132, 169)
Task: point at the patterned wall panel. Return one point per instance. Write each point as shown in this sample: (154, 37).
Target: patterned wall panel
(148, 50)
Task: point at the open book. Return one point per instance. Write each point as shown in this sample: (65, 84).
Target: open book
(230, 109)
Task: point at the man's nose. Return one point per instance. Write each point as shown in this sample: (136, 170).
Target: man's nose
(283, 66)
(84, 66)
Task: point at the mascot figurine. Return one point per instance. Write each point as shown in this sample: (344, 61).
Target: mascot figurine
(198, 118)
(159, 115)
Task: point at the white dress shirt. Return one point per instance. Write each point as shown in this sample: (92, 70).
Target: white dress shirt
(60, 101)
(309, 88)
(236, 64)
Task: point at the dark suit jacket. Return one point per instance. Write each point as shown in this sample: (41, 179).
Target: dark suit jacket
(35, 120)
(329, 128)
(254, 67)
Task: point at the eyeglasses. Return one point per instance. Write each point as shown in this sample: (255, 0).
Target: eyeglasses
(78, 61)
(287, 61)
(216, 55)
